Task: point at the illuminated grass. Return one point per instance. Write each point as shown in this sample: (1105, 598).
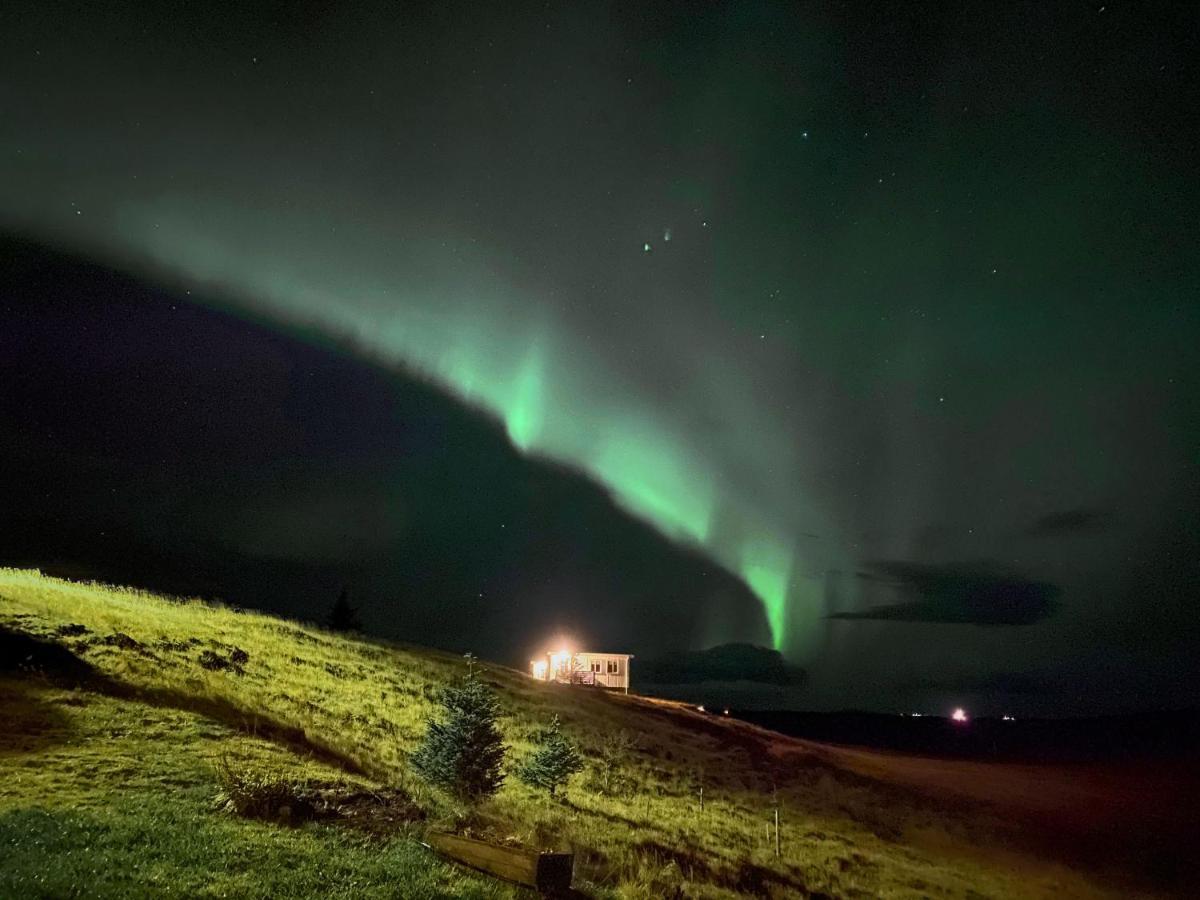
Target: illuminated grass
(124, 782)
(101, 797)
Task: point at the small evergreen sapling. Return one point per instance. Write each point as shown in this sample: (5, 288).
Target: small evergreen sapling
(462, 750)
(343, 616)
(553, 762)
(615, 750)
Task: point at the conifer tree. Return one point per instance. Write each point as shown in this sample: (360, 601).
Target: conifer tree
(343, 616)
(462, 750)
(554, 761)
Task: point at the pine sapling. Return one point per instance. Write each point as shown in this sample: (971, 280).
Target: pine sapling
(462, 750)
(553, 762)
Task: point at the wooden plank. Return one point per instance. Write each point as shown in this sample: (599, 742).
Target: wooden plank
(549, 873)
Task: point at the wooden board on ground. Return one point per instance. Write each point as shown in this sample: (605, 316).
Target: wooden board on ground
(549, 873)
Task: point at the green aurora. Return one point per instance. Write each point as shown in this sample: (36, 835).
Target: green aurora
(551, 400)
(925, 319)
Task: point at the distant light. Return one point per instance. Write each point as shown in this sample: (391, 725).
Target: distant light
(1007, 719)
(959, 715)
(725, 712)
(916, 715)
(700, 708)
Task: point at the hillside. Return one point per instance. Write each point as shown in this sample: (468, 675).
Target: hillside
(126, 713)
(149, 436)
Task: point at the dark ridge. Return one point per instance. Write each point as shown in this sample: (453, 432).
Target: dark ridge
(1149, 735)
(149, 438)
(727, 662)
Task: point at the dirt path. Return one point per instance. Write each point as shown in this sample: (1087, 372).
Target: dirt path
(1136, 819)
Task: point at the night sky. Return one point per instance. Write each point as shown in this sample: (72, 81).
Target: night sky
(863, 332)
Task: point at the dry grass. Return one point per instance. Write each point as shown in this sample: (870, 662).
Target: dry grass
(330, 705)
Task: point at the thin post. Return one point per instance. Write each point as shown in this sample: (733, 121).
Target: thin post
(774, 792)
(701, 798)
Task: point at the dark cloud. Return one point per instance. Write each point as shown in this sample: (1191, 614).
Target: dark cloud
(977, 594)
(1080, 520)
(728, 662)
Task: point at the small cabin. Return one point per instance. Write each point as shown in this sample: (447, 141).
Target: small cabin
(609, 670)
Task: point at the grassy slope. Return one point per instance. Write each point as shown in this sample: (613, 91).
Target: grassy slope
(111, 791)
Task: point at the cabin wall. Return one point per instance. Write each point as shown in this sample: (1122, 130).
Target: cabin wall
(618, 679)
(588, 662)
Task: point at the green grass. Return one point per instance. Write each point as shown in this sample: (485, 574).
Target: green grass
(109, 789)
(104, 797)
(168, 848)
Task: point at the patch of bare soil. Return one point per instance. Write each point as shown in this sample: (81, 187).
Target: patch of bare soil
(380, 813)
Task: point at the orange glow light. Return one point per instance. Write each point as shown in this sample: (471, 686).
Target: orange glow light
(561, 662)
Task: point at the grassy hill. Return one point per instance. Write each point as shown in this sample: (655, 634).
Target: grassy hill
(132, 720)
